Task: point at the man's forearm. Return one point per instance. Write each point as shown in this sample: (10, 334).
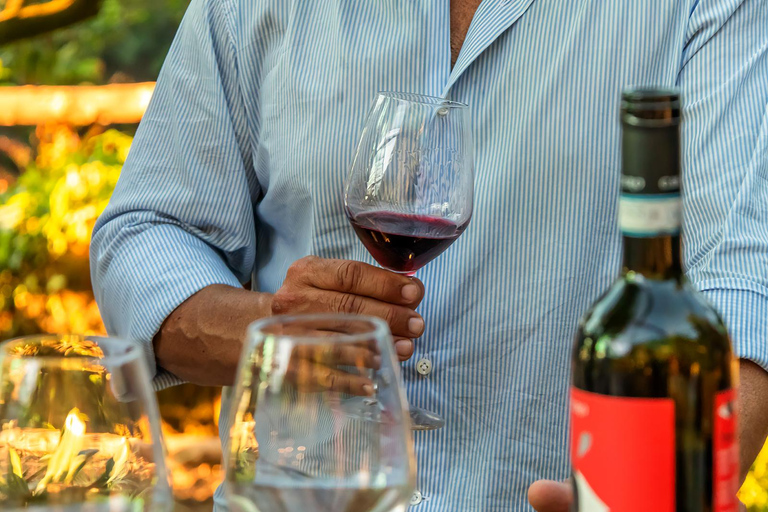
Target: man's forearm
(753, 396)
(201, 340)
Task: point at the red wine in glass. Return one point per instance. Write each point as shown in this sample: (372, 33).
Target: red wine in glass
(404, 242)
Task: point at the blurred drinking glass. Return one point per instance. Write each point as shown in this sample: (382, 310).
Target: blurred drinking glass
(293, 447)
(79, 427)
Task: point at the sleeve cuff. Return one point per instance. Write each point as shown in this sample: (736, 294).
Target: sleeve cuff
(155, 269)
(745, 313)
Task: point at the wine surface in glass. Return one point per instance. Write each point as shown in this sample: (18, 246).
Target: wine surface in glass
(404, 242)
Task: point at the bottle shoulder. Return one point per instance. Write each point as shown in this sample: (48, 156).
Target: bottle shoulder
(651, 339)
(643, 310)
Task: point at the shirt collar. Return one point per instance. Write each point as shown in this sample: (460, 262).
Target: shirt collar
(493, 18)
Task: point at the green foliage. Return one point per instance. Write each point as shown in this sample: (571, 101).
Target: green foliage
(46, 219)
(127, 41)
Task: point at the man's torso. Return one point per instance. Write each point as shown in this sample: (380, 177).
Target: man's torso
(542, 78)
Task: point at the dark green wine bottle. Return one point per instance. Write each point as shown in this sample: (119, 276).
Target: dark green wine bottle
(653, 422)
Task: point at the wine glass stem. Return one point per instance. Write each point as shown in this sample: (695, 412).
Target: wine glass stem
(422, 419)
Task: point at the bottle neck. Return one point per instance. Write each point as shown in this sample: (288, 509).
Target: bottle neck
(657, 258)
(650, 206)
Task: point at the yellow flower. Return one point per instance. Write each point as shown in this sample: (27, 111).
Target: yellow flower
(754, 491)
(11, 216)
(16, 210)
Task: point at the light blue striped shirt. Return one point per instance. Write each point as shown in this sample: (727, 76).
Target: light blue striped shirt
(237, 170)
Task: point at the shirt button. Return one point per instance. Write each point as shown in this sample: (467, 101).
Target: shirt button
(424, 366)
(416, 498)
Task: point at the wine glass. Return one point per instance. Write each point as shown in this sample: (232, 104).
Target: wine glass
(409, 192)
(291, 445)
(79, 427)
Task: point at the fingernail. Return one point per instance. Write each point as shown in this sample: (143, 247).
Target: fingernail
(416, 326)
(404, 347)
(410, 292)
(377, 362)
(368, 389)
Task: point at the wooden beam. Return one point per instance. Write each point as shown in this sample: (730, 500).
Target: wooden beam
(74, 105)
(11, 9)
(19, 21)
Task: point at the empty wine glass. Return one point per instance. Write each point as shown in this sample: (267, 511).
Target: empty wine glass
(79, 427)
(409, 192)
(291, 445)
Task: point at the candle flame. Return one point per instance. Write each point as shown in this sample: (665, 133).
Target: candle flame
(63, 459)
(74, 424)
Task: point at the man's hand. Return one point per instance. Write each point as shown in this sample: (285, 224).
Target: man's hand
(550, 496)
(345, 368)
(202, 339)
(316, 285)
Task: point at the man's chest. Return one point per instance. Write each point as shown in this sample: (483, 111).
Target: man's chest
(543, 94)
(462, 12)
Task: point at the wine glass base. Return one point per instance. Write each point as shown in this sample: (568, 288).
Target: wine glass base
(422, 419)
(368, 409)
(363, 408)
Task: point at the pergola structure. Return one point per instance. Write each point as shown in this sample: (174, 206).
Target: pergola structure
(21, 19)
(78, 105)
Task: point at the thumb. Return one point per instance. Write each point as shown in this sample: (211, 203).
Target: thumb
(550, 496)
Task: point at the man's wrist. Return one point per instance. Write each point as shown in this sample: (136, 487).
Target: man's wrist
(201, 340)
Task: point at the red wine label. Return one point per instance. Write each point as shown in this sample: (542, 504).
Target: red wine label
(726, 453)
(623, 453)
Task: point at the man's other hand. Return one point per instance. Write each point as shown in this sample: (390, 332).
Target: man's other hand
(550, 496)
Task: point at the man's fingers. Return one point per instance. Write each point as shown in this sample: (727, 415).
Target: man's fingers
(357, 278)
(403, 348)
(309, 377)
(344, 382)
(403, 321)
(362, 356)
(550, 496)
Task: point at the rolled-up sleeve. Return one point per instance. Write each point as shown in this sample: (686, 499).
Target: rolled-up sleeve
(181, 217)
(724, 80)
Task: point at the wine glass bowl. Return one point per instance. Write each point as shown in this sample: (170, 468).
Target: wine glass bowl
(292, 445)
(409, 192)
(79, 427)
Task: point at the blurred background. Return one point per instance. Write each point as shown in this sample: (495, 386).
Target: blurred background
(75, 78)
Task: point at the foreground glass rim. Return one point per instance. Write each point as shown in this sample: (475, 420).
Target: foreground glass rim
(130, 351)
(379, 328)
(424, 99)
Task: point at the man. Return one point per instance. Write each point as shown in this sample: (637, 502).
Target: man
(236, 175)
